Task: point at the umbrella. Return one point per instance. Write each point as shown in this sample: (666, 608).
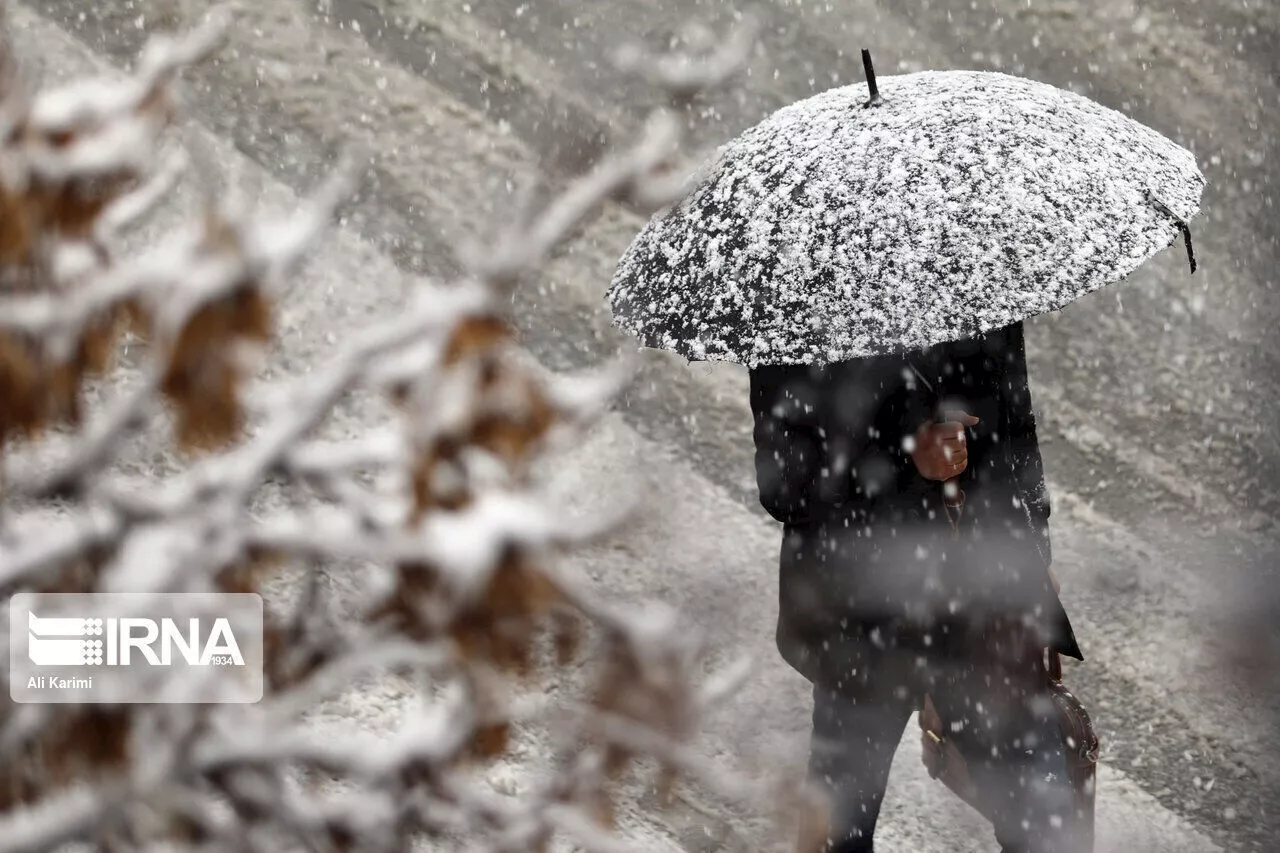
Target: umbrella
(945, 206)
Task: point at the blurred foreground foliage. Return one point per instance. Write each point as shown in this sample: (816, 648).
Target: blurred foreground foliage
(442, 501)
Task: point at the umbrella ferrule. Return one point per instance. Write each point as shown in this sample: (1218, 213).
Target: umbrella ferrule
(1182, 224)
(1191, 252)
(875, 99)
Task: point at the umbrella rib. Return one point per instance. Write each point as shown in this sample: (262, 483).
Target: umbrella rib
(920, 375)
(1182, 224)
(1191, 253)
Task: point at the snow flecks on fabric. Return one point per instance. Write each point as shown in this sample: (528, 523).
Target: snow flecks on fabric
(966, 202)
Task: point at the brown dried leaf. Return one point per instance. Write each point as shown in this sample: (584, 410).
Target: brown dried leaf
(206, 332)
(200, 379)
(209, 413)
(627, 690)
(87, 740)
(416, 584)
(16, 229)
(616, 760)
(491, 740)
(419, 579)
(421, 480)
(98, 345)
(500, 626)
(428, 494)
(521, 588)
(137, 318)
(244, 313)
(251, 314)
(17, 787)
(512, 432)
(70, 209)
(20, 379)
(507, 645)
(473, 335)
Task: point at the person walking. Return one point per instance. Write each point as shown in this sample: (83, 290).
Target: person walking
(858, 223)
(889, 591)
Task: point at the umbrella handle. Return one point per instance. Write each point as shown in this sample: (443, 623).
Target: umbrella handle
(957, 500)
(953, 505)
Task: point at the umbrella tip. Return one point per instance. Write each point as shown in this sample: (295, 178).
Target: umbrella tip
(1182, 224)
(875, 99)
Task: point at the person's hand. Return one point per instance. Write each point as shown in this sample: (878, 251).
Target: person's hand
(939, 451)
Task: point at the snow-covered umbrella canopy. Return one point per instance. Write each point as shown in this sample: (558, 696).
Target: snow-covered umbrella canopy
(947, 205)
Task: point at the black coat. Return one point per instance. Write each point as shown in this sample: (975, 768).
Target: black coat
(868, 559)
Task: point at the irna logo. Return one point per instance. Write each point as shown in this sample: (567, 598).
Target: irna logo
(112, 641)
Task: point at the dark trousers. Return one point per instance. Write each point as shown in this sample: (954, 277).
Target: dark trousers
(1002, 721)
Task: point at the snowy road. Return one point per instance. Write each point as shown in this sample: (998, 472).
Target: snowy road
(1155, 407)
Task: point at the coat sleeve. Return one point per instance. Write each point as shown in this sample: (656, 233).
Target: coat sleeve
(788, 449)
(1023, 446)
